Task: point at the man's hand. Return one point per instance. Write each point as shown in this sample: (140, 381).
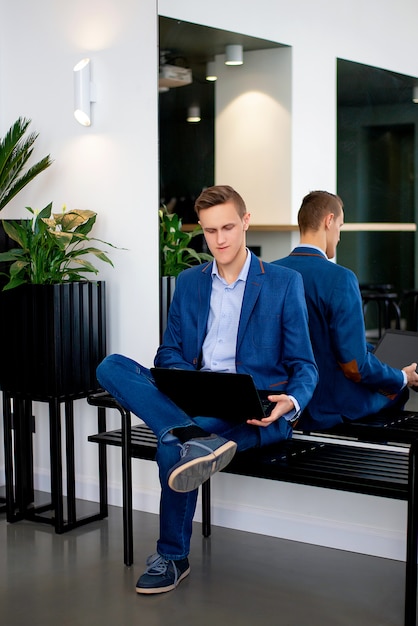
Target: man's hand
(411, 374)
(283, 405)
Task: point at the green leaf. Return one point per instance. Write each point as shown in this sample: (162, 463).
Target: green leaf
(45, 213)
(17, 267)
(10, 255)
(15, 152)
(14, 282)
(16, 231)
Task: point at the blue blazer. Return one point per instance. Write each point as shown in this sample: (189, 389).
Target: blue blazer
(353, 382)
(273, 342)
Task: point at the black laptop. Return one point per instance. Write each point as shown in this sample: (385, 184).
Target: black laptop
(232, 397)
(397, 348)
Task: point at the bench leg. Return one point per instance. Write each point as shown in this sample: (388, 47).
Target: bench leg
(412, 540)
(127, 488)
(101, 424)
(206, 521)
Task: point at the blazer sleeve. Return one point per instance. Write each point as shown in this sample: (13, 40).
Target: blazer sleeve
(348, 334)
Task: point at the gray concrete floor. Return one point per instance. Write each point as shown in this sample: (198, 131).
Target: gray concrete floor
(79, 579)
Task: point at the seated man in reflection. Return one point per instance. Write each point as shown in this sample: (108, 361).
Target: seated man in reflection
(234, 314)
(353, 382)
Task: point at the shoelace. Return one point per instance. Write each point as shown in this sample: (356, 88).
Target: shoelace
(157, 566)
(185, 447)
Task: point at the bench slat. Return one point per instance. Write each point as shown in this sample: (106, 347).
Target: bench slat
(361, 470)
(399, 427)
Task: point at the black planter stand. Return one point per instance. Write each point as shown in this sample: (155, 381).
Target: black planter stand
(52, 337)
(60, 511)
(167, 286)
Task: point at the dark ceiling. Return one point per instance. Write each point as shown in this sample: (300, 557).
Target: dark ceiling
(192, 45)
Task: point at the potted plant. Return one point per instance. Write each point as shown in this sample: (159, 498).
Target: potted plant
(15, 151)
(51, 247)
(53, 320)
(176, 254)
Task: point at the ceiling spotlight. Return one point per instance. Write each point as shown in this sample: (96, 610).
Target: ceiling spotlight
(211, 71)
(193, 114)
(415, 94)
(234, 54)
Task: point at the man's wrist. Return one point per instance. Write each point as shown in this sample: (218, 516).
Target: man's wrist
(294, 414)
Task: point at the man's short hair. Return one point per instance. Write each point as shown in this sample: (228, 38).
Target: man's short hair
(315, 206)
(220, 194)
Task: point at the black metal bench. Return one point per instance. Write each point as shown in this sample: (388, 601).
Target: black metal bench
(333, 463)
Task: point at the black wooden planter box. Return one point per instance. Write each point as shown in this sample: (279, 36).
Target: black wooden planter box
(52, 338)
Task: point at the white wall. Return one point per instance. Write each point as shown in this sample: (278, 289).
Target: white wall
(253, 132)
(112, 168)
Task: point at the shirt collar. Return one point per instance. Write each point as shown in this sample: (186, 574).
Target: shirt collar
(244, 270)
(309, 245)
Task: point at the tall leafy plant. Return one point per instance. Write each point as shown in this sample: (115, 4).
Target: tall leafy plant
(53, 247)
(15, 151)
(176, 254)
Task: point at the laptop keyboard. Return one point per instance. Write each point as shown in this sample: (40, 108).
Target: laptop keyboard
(267, 405)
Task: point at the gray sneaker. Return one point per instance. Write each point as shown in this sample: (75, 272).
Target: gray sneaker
(162, 574)
(200, 458)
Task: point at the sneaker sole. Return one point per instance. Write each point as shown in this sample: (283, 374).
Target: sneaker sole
(153, 590)
(190, 476)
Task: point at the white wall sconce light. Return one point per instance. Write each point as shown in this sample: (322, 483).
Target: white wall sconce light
(211, 71)
(193, 114)
(83, 93)
(415, 94)
(234, 54)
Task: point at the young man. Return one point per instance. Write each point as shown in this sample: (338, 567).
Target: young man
(353, 382)
(235, 314)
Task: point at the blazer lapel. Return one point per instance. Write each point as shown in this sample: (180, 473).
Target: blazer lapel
(255, 280)
(204, 289)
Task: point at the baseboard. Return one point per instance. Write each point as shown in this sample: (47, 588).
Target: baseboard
(373, 526)
(370, 540)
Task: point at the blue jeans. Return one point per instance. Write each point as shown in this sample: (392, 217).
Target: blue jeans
(133, 387)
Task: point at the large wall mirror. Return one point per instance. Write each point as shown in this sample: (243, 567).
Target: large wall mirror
(376, 146)
(376, 168)
(197, 154)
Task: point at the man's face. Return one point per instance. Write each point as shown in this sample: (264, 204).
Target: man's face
(334, 224)
(224, 231)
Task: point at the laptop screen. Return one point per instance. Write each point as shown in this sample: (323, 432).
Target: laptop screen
(398, 348)
(232, 397)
